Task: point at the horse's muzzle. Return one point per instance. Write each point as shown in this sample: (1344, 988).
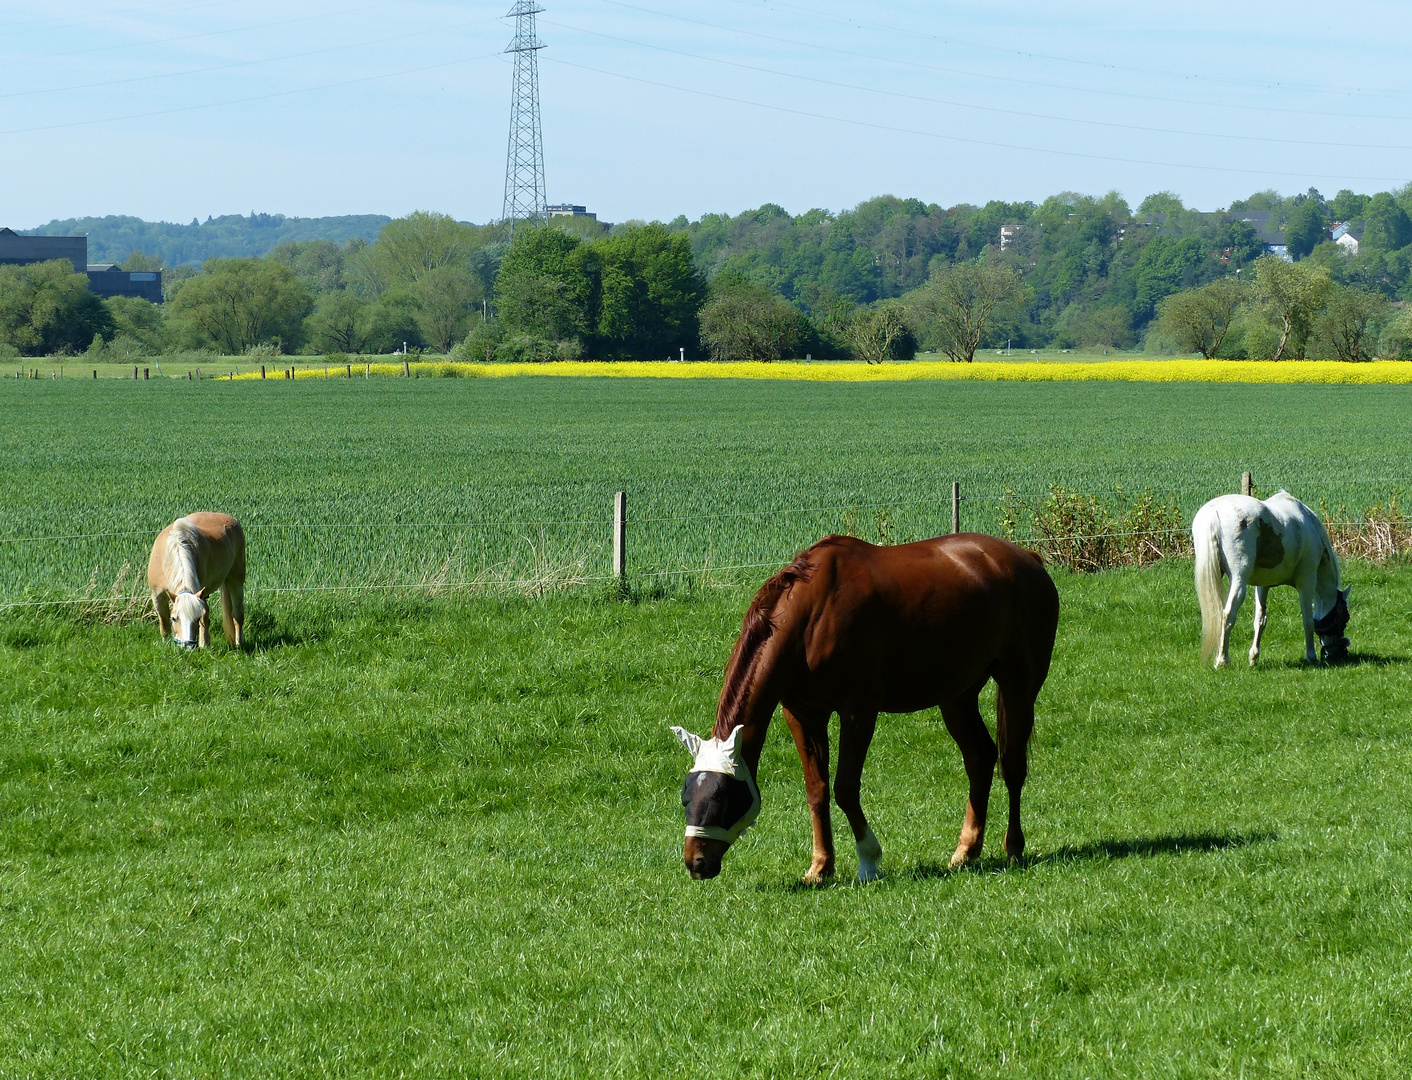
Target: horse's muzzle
(180, 644)
(1335, 650)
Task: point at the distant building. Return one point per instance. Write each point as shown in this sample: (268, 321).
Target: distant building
(1272, 238)
(105, 279)
(17, 250)
(569, 210)
(1009, 234)
(1346, 236)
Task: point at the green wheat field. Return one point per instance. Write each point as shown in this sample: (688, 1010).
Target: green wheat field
(435, 830)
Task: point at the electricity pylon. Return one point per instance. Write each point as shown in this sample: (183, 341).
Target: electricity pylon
(524, 160)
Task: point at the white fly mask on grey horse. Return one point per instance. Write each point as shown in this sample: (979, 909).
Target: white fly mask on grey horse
(720, 796)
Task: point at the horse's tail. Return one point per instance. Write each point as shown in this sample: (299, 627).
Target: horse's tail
(1206, 541)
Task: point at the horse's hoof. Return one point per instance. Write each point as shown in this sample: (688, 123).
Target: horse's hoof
(817, 877)
(867, 874)
(962, 857)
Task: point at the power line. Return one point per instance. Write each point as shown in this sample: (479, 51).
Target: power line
(238, 64)
(1001, 78)
(243, 100)
(980, 108)
(211, 33)
(969, 141)
(1146, 72)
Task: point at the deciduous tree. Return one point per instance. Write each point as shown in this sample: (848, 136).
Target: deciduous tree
(743, 321)
(1201, 318)
(237, 303)
(1350, 322)
(1290, 294)
(882, 332)
(961, 302)
(46, 308)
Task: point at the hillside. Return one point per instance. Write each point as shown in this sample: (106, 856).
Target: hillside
(113, 238)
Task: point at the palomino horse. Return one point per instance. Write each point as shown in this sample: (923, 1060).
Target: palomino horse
(856, 629)
(1276, 542)
(191, 558)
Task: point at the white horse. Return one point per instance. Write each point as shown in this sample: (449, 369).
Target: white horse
(191, 558)
(1276, 542)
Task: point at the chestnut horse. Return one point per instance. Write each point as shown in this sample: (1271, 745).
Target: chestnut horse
(856, 629)
(191, 558)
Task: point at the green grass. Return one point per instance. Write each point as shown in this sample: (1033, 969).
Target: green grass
(717, 473)
(443, 838)
(441, 835)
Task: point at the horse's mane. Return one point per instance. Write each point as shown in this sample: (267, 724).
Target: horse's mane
(755, 632)
(179, 561)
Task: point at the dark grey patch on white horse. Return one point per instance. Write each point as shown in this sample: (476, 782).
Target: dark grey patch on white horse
(715, 800)
(1269, 548)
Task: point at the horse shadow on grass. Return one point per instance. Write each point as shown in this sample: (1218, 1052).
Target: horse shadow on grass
(1354, 659)
(1099, 851)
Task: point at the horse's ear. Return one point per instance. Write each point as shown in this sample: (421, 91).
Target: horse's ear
(688, 740)
(1344, 593)
(732, 742)
(203, 593)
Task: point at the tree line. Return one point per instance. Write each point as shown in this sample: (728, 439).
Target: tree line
(876, 282)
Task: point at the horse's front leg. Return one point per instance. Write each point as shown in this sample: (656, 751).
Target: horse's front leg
(855, 734)
(1261, 614)
(163, 603)
(1306, 611)
(204, 629)
(811, 738)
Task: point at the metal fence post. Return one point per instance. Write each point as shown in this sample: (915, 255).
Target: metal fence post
(955, 506)
(620, 551)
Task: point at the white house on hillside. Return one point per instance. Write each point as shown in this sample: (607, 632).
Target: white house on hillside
(1346, 237)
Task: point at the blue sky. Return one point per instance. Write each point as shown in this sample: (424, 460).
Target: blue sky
(174, 109)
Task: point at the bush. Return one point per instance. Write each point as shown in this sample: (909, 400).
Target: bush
(1396, 343)
(524, 349)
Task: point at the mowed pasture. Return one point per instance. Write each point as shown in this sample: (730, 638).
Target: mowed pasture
(438, 832)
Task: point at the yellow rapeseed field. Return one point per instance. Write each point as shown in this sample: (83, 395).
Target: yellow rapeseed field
(1232, 371)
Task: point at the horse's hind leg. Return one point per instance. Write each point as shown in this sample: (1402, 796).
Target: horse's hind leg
(1233, 602)
(1261, 614)
(1014, 721)
(855, 734)
(963, 720)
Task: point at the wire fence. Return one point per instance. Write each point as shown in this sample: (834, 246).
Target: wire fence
(105, 572)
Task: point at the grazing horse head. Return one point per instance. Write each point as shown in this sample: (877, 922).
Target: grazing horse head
(188, 609)
(1330, 629)
(720, 798)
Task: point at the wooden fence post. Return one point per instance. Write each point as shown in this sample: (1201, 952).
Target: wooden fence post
(144, 373)
(134, 373)
(262, 371)
(350, 371)
(406, 368)
(620, 522)
(955, 506)
(1247, 486)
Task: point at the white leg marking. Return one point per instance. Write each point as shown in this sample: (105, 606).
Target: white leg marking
(869, 853)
